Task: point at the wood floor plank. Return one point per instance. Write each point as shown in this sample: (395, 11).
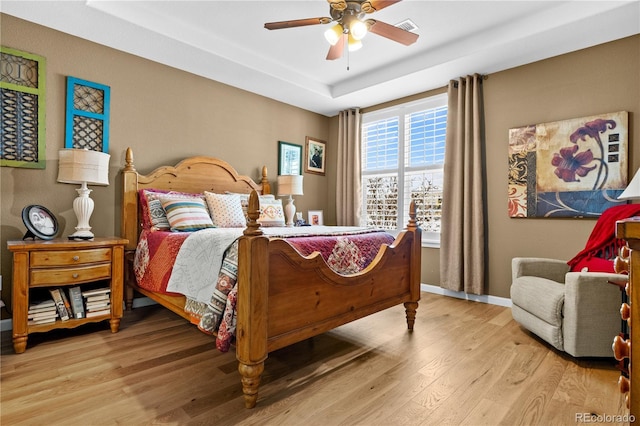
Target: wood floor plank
(466, 363)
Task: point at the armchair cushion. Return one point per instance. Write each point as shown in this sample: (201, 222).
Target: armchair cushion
(540, 297)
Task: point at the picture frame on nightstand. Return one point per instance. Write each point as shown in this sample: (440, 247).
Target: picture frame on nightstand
(40, 223)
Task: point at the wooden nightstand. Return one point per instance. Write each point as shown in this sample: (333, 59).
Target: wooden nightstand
(61, 263)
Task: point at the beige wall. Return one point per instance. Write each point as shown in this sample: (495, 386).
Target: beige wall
(166, 114)
(605, 78)
(162, 113)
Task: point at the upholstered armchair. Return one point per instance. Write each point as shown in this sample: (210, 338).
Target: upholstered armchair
(575, 312)
(574, 305)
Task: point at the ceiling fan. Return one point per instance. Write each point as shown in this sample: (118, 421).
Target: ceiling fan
(350, 25)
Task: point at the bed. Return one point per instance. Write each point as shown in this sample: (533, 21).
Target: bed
(283, 297)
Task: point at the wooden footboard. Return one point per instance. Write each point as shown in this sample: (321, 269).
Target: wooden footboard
(284, 297)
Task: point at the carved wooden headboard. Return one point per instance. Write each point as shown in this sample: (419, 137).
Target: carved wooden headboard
(194, 174)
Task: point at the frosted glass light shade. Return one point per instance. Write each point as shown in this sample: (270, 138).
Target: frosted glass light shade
(333, 34)
(633, 189)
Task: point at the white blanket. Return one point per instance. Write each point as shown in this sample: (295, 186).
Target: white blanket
(199, 259)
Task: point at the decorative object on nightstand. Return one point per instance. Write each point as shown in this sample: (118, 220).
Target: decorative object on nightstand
(632, 192)
(289, 185)
(83, 166)
(40, 223)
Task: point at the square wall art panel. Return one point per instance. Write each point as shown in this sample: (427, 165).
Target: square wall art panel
(570, 168)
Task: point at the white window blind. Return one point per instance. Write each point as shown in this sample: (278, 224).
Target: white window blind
(403, 160)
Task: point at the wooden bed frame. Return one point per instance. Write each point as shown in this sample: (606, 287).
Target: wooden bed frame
(283, 297)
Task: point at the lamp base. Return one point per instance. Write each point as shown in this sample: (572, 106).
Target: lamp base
(81, 237)
(83, 207)
(289, 211)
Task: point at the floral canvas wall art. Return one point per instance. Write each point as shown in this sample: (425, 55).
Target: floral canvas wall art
(569, 168)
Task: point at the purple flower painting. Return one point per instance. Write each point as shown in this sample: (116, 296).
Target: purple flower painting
(570, 168)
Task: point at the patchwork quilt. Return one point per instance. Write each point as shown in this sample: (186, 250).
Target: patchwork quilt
(203, 266)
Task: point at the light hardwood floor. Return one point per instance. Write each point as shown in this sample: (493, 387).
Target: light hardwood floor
(466, 363)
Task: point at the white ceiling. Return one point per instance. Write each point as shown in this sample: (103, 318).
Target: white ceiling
(226, 41)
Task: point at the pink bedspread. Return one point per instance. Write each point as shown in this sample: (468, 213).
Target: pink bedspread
(345, 254)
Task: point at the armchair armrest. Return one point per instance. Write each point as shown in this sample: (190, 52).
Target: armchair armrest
(591, 312)
(551, 269)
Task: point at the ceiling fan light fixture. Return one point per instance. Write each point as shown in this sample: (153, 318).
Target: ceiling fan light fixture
(333, 34)
(358, 29)
(354, 44)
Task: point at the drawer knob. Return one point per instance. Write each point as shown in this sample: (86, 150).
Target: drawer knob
(76, 258)
(75, 275)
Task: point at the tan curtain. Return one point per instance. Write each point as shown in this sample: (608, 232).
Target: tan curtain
(348, 185)
(462, 238)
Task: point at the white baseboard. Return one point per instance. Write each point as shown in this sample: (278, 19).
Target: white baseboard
(492, 300)
(140, 302)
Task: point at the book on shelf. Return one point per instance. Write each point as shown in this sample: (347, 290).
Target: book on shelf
(42, 306)
(43, 314)
(97, 298)
(57, 298)
(97, 306)
(42, 321)
(77, 305)
(106, 311)
(65, 300)
(95, 292)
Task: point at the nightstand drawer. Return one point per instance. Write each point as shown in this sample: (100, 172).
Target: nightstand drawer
(69, 257)
(44, 277)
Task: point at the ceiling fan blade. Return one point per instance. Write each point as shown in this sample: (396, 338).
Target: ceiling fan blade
(371, 6)
(296, 23)
(393, 33)
(336, 50)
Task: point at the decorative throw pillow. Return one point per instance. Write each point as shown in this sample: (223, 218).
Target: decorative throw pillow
(186, 214)
(271, 213)
(226, 210)
(152, 215)
(244, 201)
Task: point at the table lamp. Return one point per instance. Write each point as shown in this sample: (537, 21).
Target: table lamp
(633, 189)
(83, 166)
(289, 185)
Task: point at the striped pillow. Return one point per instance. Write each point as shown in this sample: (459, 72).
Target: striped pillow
(186, 214)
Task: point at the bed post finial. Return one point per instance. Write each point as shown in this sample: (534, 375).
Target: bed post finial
(413, 214)
(128, 161)
(266, 186)
(253, 212)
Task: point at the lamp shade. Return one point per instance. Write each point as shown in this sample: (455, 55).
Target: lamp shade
(633, 189)
(290, 185)
(83, 166)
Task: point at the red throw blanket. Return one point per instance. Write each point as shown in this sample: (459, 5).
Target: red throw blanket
(602, 245)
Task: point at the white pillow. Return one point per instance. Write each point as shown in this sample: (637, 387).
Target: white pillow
(226, 210)
(271, 213)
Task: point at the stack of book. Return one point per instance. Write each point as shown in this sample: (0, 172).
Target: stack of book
(97, 302)
(44, 312)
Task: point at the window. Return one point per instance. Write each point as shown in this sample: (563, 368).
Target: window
(402, 160)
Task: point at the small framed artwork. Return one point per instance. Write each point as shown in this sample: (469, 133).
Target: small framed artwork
(315, 217)
(315, 156)
(40, 223)
(289, 159)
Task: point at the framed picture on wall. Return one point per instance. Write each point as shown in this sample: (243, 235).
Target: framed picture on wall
(289, 159)
(315, 156)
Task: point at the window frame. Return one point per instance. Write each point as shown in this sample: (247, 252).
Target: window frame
(429, 238)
